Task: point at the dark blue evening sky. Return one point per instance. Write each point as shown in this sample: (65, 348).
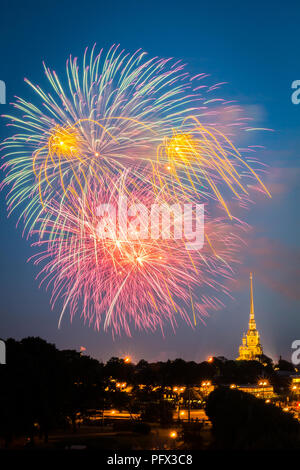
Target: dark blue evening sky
(254, 46)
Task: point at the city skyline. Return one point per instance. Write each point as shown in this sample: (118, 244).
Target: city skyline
(248, 350)
(248, 66)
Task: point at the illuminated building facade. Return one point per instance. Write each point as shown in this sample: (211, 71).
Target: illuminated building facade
(262, 390)
(250, 348)
(295, 385)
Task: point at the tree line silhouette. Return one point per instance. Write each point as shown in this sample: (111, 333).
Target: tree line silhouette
(43, 388)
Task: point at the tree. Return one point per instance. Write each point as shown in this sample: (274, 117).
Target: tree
(285, 366)
(41, 387)
(158, 413)
(119, 370)
(241, 421)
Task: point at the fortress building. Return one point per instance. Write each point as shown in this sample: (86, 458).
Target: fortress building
(250, 348)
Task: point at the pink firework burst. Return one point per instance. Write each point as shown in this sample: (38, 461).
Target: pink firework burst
(125, 279)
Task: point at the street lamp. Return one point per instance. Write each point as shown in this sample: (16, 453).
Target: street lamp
(178, 390)
(263, 384)
(206, 384)
(173, 435)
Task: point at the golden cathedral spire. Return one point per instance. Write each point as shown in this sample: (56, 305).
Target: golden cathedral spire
(251, 348)
(252, 324)
(251, 298)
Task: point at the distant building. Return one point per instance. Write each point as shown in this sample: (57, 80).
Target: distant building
(250, 348)
(262, 390)
(295, 384)
(206, 388)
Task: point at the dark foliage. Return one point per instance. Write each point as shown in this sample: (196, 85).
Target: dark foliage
(43, 388)
(241, 421)
(158, 413)
(192, 435)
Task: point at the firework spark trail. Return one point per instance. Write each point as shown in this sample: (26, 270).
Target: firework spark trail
(111, 113)
(120, 282)
(202, 157)
(122, 124)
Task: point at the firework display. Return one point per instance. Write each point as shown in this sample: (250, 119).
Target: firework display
(122, 279)
(119, 127)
